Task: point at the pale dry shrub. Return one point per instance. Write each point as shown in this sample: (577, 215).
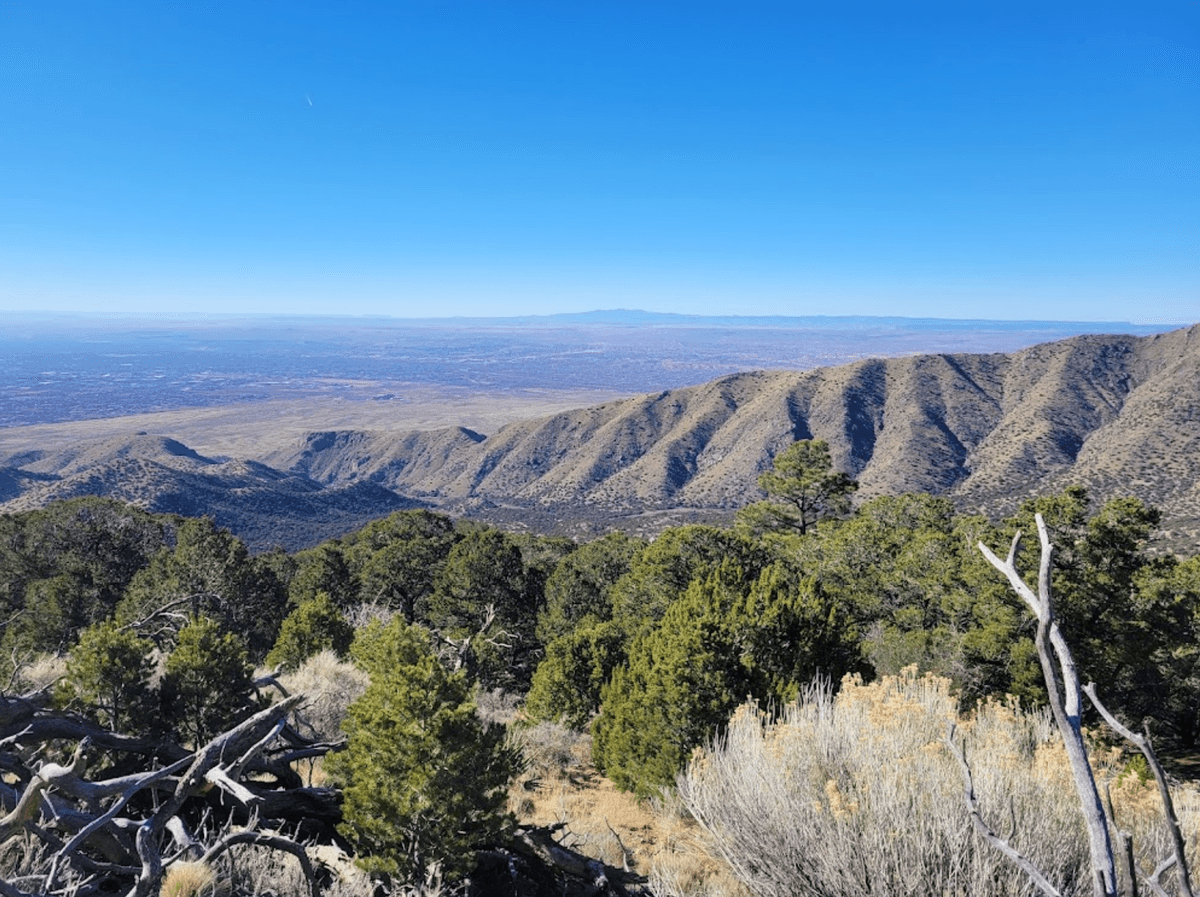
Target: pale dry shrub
(552, 750)
(329, 685)
(685, 863)
(496, 706)
(857, 794)
(1138, 810)
(258, 871)
(362, 615)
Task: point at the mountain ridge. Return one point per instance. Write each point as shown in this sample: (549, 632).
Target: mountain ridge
(1118, 414)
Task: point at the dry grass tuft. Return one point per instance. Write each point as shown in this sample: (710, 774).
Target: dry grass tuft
(330, 685)
(41, 673)
(252, 870)
(192, 879)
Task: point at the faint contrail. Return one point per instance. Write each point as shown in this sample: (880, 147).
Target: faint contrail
(307, 97)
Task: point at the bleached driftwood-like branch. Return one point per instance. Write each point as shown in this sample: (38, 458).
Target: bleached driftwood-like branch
(132, 827)
(1062, 686)
(1143, 744)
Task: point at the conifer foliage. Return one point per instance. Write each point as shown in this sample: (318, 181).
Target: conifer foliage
(109, 672)
(424, 781)
(803, 488)
(717, 645)
(315, 626)
(207, 684)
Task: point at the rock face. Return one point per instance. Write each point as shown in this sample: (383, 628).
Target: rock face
(1118, 414)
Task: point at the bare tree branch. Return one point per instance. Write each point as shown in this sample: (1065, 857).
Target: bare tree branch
(1143, 744)
(142, 781)
(28, 806)
(1062, 686)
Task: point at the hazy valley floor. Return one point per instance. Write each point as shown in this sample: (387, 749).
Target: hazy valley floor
(266, 426)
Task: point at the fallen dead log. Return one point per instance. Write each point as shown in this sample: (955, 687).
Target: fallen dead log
(534, 862)
(122, 833)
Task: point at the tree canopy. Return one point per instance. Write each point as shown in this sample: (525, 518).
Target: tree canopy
(802, 489)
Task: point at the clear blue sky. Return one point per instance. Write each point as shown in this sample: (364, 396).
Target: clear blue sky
(993, 159)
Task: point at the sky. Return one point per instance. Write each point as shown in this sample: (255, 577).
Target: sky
(969, 159)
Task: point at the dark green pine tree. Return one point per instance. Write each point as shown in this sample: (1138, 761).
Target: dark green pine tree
(316, 625)
(683, 679)
(720, 644)
(396, 561)
(568, 682)
(207, 685)
(481, 594)
(108, 672)
(803, 488)
(577, 591)
(322, 569)
(424, 782)
(210, 573)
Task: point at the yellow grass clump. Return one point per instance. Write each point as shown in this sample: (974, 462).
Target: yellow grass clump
(192, 879)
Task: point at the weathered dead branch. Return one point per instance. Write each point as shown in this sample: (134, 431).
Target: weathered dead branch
(127, 830)
(1064, 690)
(1144, 744)
(1062, 686)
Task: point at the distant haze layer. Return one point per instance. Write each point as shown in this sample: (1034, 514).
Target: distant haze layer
(392, 372)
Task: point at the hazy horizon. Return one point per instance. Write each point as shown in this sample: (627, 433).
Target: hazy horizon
(602, 315)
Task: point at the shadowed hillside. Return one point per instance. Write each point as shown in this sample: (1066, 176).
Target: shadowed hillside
(1118, 414)
(262, 505)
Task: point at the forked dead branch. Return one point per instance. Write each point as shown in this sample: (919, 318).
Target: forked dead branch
(1065, 698)
(181, 805)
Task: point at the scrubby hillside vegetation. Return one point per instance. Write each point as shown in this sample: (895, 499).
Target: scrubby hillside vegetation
(797, 667)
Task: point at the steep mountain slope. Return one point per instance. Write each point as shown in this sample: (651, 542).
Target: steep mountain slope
(429, 457)
(1118, 414)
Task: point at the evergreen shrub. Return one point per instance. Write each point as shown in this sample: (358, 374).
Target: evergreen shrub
(424, 781)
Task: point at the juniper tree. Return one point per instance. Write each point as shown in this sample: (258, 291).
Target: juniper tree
(424, 781)
(717, 645)
(109, 672)
(314, 626)
(579, 587)
(207, 684)
(568, 682)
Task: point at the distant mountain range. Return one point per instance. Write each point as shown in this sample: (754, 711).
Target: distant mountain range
(1118, 414)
